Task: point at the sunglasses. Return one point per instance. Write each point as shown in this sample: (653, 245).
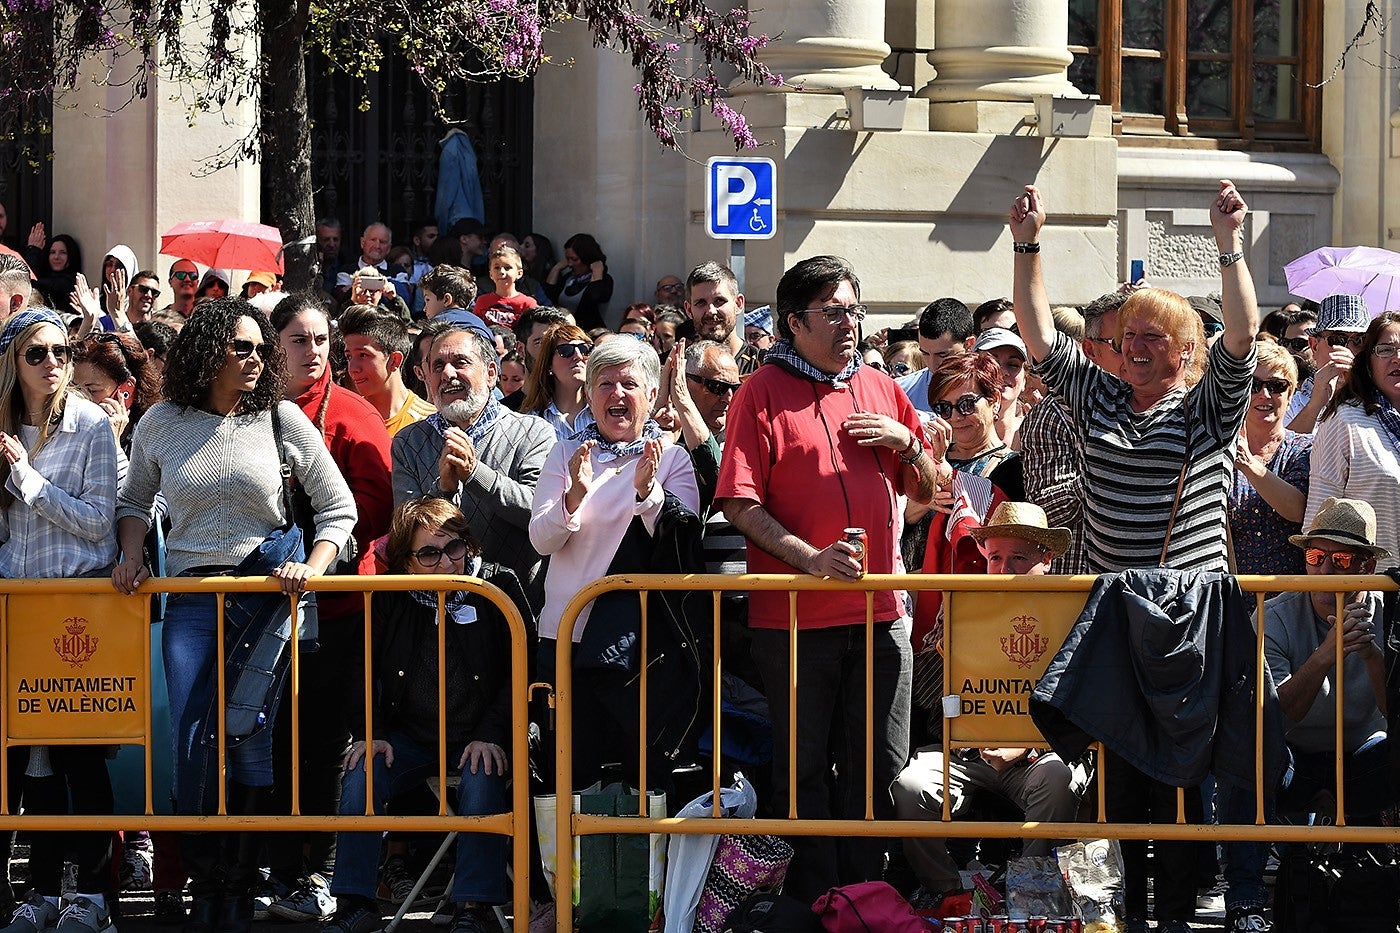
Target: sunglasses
(1213, 327)
(964, 406)
(633, 333)
(901, 369)
(36, 355)
(184, 276)
(566, 351)
(836, 314)
(148, 291)
(431, 555)
(1275, 386)
(1294, 344)
(713, 386)
(1345, 340)
(877, 364)
(243, 349)
(1342, 560)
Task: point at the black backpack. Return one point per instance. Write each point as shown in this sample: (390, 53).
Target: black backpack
(772, 913)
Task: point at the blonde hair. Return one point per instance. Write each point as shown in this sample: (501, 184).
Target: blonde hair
(1273, 355)
(12, 403)
(1178, 320)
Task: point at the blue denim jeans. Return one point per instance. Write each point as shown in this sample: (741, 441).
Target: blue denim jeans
(481, 857)
(191, 650)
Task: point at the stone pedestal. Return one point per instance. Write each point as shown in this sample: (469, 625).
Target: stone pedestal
(999, 50)
(826, 46)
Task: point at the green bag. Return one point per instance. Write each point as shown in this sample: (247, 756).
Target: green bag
(621, 877)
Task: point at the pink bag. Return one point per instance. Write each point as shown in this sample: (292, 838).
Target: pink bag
(868, 907)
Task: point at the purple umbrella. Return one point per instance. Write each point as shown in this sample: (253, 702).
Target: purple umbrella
(1372, 273)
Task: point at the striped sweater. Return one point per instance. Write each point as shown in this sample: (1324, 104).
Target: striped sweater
(1353, 456)
(1132, 460)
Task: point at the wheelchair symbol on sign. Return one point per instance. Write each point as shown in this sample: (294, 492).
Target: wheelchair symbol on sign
(756, 223)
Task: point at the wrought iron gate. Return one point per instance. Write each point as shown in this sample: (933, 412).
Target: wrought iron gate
(382, 164)
(26, 176)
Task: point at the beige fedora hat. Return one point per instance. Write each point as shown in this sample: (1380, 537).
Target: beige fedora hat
(1349, 522)
(1026, 521)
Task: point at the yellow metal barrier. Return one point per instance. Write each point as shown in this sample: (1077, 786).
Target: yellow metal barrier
(78, 643)
(570, 825)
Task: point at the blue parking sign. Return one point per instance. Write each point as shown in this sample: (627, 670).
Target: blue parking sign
(740, 198)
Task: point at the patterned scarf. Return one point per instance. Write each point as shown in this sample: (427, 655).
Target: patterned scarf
(477, 430)
(455, 606)
(1388, 417)
(608, 451)
(785, 355)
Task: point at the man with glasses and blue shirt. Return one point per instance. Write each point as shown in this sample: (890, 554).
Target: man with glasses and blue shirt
(1341, 326)
(816, 444)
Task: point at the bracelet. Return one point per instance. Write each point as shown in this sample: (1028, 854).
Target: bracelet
(1229, 259)
(1025, 247)
(913, 443)
(914, 459)
(938, 476)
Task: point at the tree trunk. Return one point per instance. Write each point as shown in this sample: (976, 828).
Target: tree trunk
(286, 137)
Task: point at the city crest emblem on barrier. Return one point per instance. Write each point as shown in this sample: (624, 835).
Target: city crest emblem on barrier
(1025, 645)
(76, 647)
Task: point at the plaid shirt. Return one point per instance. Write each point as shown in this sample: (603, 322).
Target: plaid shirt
(1053, 465)
(63, 520)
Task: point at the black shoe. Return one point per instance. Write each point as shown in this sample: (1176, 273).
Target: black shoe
(170, 908)
(475, 920)
(1247, 919)
(356, 917)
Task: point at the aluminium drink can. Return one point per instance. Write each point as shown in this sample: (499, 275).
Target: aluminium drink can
(855, 537)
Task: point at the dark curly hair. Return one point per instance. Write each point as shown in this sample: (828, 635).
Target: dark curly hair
(121, 357)
(199, 353)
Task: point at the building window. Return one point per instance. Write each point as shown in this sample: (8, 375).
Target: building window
(1221, 69)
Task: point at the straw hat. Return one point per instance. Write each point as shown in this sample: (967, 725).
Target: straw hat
(1348, 522)
(1025, 521)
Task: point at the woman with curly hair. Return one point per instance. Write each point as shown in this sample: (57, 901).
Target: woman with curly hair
(58, 476)
(115, 373)
(218, 448)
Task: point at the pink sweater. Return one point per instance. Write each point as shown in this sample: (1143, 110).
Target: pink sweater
(581, 545)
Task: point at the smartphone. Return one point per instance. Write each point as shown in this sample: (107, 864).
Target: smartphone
(373, 283)
(902, 333)
(125, 393)
(1135, 276)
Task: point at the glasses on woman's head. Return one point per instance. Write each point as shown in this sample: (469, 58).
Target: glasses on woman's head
(1342, 560)
(964, 406)
(566, 351)
(835, 314)
(1275, 386)
(1345, 339)
(243, 349)
(1294, 344)
(36, 355)
(431, 555)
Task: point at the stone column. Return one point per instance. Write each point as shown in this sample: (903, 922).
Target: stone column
(999, 50)
(826, 46)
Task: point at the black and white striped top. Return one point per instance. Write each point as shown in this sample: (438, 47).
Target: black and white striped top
(1132, 460)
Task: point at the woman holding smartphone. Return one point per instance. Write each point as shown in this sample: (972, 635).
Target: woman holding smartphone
(58, 481)
(113, 371)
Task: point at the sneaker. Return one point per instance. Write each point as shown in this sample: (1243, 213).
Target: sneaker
(33, 915)
(395, 880)
(357, 918)
(1248, 919)
(83, 916)
(265, 894)
(138, 869)
(1211, 902)
(310, 901)
(170, 908)
(476, 919)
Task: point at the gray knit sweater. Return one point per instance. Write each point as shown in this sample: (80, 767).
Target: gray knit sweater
(497, 498)
(221, 477)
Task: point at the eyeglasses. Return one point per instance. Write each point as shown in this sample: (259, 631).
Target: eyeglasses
(1342, 560)
(1294, 344)
(36, 355)
(963, 406)
(901, 369)
(566, 351)
(183, 276)
(1345, 340)
(431, 555)
(673, 288)
(148, 291)
(1275, 386)
(836, 314)
(243, 349)
(1212, 328)
(1384, 351)
(714, 386)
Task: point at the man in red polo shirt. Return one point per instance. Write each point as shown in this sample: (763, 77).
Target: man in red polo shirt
(817, 443)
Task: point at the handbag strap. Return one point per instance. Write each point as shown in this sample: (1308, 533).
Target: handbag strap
(1180, 485)
(285, 468)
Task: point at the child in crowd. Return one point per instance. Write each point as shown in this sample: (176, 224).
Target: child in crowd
(505, 304)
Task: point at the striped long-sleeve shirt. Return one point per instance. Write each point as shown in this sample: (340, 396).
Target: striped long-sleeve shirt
(1353, 456)
(1132, 460)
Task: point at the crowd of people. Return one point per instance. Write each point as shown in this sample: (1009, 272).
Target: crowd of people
(458, 406)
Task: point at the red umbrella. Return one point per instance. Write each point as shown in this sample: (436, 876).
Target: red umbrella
(9, 252)
(225, 244)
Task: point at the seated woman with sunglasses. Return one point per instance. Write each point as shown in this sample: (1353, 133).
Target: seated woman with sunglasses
(1270, 486)
(58, 481)
(429, 535)
(1356, 450)
(217, 448)
(554, 390)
